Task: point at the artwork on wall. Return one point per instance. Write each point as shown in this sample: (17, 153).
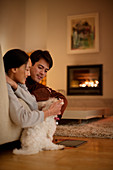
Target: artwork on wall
(83, 33)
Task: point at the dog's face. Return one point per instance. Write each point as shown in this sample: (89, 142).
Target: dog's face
(43, 105)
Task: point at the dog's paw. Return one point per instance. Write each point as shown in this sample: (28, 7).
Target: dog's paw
(61, 147)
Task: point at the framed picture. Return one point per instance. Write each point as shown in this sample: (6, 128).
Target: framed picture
(83, 33)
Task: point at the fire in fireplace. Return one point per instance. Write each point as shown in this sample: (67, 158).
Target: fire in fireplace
(84, 80)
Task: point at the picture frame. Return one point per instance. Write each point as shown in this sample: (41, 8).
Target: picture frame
(83, 33)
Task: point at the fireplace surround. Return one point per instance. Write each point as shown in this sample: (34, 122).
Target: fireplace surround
(85, 79)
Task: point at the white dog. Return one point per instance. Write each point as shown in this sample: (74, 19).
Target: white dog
(39, 137)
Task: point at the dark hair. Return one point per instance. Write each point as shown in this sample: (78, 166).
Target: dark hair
(38, 54)
(14, 59)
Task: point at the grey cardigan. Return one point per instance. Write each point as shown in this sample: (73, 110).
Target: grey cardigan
(18, 113)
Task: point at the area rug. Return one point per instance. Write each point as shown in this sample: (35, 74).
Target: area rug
(94, 128)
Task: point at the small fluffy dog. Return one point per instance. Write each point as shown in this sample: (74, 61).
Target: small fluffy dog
(39, 137)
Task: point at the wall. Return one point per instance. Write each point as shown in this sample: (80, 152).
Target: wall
(12, 24)
(36, 25)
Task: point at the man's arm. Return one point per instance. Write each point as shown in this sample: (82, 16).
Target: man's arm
(42, 93)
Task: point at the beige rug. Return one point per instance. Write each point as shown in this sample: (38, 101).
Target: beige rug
(95, 128)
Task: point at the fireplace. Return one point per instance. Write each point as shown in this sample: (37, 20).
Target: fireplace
(85, 80)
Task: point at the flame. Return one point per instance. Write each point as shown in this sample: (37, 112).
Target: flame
(90, 83)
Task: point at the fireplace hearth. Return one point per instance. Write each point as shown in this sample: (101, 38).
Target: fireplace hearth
(85, 80)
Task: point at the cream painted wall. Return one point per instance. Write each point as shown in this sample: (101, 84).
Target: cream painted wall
(12, 24)
(56, 41)
(36, 25)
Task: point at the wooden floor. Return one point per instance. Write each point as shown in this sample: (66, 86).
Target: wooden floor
(96, 154)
